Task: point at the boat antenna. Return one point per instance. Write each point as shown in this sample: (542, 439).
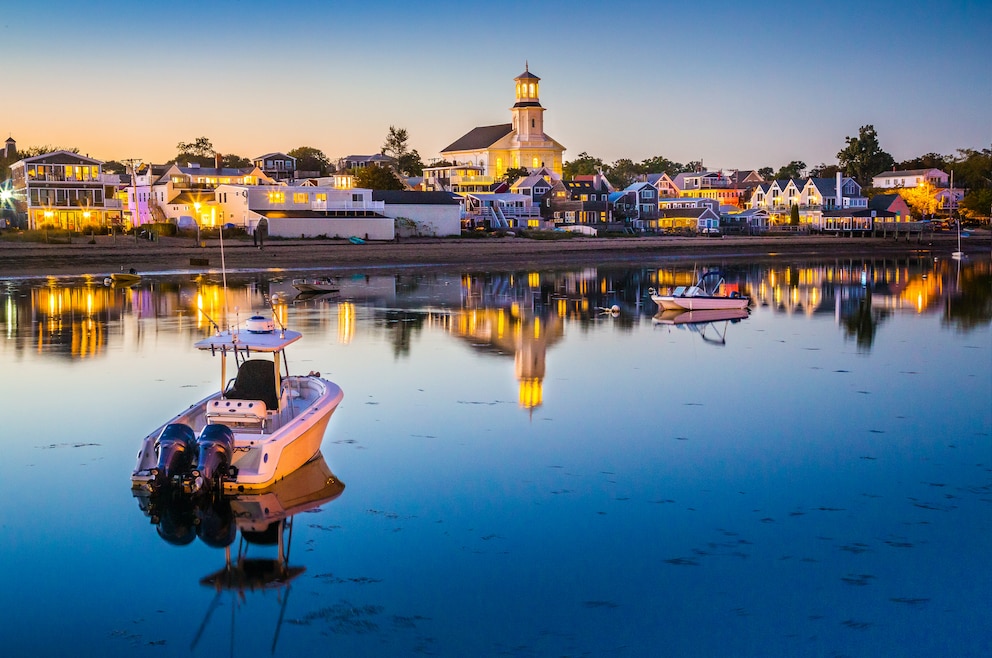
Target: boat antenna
(223, 270)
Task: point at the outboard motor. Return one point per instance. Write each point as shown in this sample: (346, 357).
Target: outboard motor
(175, 447)
(216, 448)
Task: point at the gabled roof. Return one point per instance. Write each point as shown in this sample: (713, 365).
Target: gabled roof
(61, 157)
(275, 155)
(907, 173)
(882, 201)
(480, 138)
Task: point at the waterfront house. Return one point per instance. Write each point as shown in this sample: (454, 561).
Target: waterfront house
(892, 203)
(695, 219)
(277, 166)
(536, 185)
(522, 143)
(910, 178)
(710, 185)
(500, 210)
(577, 202)
(353, 162)
(295, 211)
(645, 209)
(664, 184)
(64, 190)
(188, 191)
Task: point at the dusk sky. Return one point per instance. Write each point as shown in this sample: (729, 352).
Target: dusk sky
(738, 85)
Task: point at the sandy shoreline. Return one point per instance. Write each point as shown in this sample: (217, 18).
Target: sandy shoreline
(183, 255)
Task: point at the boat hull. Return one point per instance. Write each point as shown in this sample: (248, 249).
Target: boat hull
(261, 458)
(699, 302)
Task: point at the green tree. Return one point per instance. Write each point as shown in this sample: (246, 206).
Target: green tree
(973, 169)
(863, 157)
(766, 173)
(232, 161)
(511, 175)
(926, 161)
(583, 165)
(377, 177)
(309, 158)
(794, 215)
(115, 167)
(824, 171)
(407, 162)
(622, 173)
(659, 164)
(200, 151)
(794, 169)
(977, 204)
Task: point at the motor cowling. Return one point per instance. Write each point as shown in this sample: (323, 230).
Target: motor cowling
(215, 446)
(176, 449)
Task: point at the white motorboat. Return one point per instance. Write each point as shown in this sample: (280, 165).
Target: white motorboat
(702, 296)
(254, 431)
(315, 286)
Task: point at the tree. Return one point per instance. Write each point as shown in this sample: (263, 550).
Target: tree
(794, 215)
(920, 198)
(973, 169)
(622, 173)
(232, 161)
(199, 151)
(659, 164)
(309, 158)
(766, 173)
(926, 161)
(407, 162)
(583, 165)
(511, 175)
(862, 157)
(824, 171)
(977, 204)
(115, 167)
(794, 169)
(377, 177)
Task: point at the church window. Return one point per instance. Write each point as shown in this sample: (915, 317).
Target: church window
(531, 123)
(535, 163)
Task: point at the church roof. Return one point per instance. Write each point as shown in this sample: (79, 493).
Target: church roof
(480, 138)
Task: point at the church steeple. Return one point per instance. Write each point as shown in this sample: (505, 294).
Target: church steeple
(528, 115)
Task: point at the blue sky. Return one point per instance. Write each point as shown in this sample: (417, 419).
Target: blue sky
(738, 85)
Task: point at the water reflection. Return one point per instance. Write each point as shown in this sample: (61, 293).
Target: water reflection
(709, 325)
(264, 522)
(522, 314)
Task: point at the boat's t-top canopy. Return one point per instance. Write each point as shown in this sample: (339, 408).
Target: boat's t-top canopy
(258, 335)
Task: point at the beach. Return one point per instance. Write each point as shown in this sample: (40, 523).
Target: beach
(102, 255)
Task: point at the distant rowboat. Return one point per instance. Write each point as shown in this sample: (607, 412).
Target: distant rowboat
(356, 240)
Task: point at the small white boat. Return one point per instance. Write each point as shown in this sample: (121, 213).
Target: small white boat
(254, 431)
(315, 285)
(702, 296)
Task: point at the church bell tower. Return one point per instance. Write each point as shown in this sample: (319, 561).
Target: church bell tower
(528, 115)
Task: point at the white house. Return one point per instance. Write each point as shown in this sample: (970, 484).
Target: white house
(910, 178)
(434, 214)
(302, 211)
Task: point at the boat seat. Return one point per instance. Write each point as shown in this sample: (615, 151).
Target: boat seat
(678, 292)
(247, 412)
(256, 380)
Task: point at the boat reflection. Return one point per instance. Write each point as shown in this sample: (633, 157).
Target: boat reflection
(264, 521)
(705, 322)
(261, 517)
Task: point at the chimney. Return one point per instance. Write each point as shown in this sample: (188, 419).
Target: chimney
(839, 191)
(217, 159)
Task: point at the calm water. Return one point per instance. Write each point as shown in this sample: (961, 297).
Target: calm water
(524, 473)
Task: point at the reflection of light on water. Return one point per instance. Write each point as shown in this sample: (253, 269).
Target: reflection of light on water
(346, 322)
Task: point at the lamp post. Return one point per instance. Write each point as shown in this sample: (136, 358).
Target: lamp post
(196, 218)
